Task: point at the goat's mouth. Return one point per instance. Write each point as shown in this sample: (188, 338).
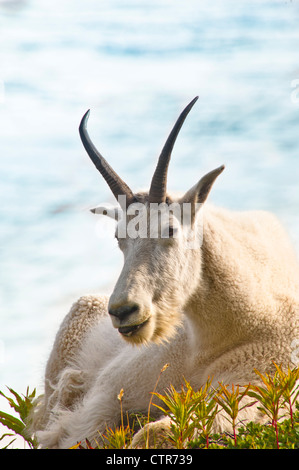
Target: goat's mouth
(132, 329)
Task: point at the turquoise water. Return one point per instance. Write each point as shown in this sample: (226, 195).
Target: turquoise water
(136, 64)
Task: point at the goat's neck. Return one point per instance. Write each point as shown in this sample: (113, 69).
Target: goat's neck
(216, 320)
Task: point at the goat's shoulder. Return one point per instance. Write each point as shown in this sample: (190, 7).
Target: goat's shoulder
(259, 229)
(252, 220)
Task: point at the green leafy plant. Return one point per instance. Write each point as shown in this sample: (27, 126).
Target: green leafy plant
(263, 436)
(230, 400)
(204, 411)
(289, 383)
(179, 407)
(270, 397)
(192, 414)
(22, 406)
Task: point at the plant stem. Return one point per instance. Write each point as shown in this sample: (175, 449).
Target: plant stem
(276, 433)
(151, 399)
(207, 440)
(235, 437)
(291, 413)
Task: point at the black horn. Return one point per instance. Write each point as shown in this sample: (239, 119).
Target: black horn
(157, 191)
(116, 184)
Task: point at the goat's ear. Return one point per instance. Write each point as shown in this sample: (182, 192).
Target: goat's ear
(200, 191)
(109, 210)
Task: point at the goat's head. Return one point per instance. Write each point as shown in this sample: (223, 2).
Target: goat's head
(161, 245)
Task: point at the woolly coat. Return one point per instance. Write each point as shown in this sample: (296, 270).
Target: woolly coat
(243, 315)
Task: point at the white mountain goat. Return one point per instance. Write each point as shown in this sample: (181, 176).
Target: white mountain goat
(213, 294)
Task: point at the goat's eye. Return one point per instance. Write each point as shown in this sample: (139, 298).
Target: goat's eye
(171, 232)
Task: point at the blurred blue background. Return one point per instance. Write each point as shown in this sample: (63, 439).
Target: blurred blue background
(136, 64)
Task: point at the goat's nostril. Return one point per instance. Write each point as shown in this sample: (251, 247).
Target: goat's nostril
(124, 311)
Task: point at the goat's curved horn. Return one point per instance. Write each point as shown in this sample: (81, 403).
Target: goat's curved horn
(157, 191)
(116, 184)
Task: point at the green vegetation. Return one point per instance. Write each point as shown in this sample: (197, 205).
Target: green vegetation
(18, 427)
(192, 413)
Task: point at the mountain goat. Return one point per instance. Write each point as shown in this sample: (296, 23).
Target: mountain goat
(210, 292)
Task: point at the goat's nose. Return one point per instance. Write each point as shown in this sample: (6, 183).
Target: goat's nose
(124, 311)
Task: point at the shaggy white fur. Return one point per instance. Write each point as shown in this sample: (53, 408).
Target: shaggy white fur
(233, 303)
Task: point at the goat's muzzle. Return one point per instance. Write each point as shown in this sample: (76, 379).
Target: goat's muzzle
(131, 330)
(125, 319)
